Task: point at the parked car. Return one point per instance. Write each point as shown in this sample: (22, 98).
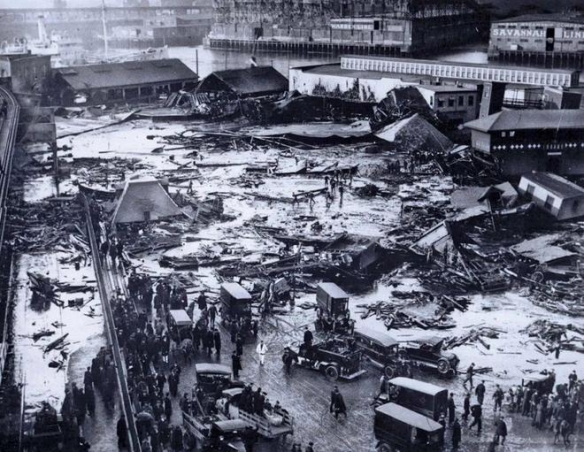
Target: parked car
(400, 429)
(331, 357)
(423, 398)
(427, 354)
(381, 351)
(181, 324)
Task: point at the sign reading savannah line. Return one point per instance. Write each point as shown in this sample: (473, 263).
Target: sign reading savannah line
(514, 33)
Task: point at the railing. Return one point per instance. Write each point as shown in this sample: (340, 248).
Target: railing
(134, 440)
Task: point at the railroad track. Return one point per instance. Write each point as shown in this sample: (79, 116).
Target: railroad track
(107, 286)
(8, 130)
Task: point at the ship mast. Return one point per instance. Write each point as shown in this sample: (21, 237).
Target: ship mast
(104, 28)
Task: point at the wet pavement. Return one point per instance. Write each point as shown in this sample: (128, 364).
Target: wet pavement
(305, 393)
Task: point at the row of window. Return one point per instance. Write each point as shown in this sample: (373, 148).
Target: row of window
(538, 27)
(452, 101)
(473, 73)
(547, 147)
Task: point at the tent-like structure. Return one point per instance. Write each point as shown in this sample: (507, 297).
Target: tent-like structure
(415, 133)
(144, 200)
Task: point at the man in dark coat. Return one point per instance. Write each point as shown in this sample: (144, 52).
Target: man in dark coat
(122, 431)
(88, 378)
(308, 337)
(337, 405)
(209, 341)
(167, 406)
(477, 414)
(217, 341)
(173, 383)
(451, 408)
(466, 407)
(235, 365)
(212, 314)
(239, 344)
(456, 434)
(480, 392)
(501, 431)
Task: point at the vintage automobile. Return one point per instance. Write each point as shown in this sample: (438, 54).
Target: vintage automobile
(427, 354)
(542, 382)
(180, 324)
(274, 423)
(382, 352)
(216, 435)
(423, 398)
(333, 309)
(236, 307)
(400, 429)
(332, 357)
(212, 380)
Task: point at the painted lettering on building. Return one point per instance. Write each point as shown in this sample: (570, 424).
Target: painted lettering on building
(510, 33)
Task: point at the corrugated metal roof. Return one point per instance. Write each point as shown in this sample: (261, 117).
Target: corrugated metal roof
(130, 73)
(529, 120)
(567, 18)
(555, 184)
(253, 80)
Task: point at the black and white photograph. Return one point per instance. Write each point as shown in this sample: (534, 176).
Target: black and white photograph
(291, 225)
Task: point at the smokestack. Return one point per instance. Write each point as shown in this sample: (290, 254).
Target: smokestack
(42, 29)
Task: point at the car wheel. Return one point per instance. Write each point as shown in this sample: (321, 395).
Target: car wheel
(332, 373)
(443, 367)
(384, 447)
(389, 371)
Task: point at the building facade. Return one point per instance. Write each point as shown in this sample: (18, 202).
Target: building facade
(559, 197)
(539, 39)
(405, 27)
(523, 141)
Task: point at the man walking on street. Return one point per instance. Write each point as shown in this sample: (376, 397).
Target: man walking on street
(498, 396)
(235, 365)
(466, 407)
(480, 392)
(261, 350)
(469, 375)
(451, 409)
(456, 434)
(477, 414)
(337, 405)
(217, 341)
(501, 431)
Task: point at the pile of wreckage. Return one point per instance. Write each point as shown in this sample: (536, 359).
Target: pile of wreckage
(493, 239)
(415, 309)
(549, 335)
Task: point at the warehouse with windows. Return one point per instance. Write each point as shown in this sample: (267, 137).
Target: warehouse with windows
(551, 40)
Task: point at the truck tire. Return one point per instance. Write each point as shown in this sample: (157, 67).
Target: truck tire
(384, 447)
(389, 371)
(443, 367)
(332, 373)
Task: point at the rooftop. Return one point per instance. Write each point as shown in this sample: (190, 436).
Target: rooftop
(454, 63)
(411, 417)
(559, 17)
(555, 184)
(131, 73)
(248, 81)
(529, 120)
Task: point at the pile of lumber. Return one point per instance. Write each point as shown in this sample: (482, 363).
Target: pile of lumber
(472, 337)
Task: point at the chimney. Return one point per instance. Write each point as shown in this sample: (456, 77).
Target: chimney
(42, 29)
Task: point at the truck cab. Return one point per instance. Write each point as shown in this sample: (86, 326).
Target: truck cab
(333, 309)
(236, 307)
(180, 324)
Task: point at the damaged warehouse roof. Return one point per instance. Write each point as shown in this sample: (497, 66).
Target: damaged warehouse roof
(529, 120)
(144, 200)
(249, 82)
(112, 75)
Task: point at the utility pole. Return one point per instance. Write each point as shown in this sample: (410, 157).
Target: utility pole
(103, 23)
